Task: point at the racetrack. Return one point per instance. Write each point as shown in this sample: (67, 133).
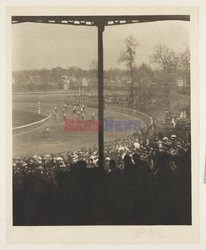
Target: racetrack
(22, 117)
(34, 141)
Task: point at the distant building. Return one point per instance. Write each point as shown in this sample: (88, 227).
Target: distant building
(66, 82)
(85, 82)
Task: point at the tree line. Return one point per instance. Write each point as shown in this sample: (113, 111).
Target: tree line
(158, 77)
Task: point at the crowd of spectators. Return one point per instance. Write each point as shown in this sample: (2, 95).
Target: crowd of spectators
(146, 180)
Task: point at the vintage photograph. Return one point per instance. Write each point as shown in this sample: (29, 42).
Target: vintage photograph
(101, 120)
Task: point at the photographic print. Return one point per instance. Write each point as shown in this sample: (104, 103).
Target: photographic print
(101, 120)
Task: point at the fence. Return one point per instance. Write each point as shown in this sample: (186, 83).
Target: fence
(30, 125)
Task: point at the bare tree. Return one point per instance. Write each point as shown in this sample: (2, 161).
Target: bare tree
(127, 56)
(165, 58)
(168, 62)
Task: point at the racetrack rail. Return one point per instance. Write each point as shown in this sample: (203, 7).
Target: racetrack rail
(31, 125)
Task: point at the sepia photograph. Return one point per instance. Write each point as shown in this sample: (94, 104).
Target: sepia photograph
(101, 123)
(101, 120)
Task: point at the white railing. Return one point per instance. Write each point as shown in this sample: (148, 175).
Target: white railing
(31, 125)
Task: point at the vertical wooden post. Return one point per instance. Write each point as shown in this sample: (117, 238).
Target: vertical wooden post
(101, 95)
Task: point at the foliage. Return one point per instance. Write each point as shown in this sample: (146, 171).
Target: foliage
(165, 58)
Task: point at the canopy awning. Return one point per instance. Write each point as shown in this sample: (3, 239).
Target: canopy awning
(96, 20)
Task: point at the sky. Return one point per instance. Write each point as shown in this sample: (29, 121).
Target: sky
(36, 46)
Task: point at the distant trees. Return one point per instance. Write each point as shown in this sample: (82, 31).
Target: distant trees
(128, 56)
(173, 65)
(148, 85)
(184, 65)
(44, 79)
(184, 60)
(167, 60)
(144, 77)
(57, 76)
(93, 68)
